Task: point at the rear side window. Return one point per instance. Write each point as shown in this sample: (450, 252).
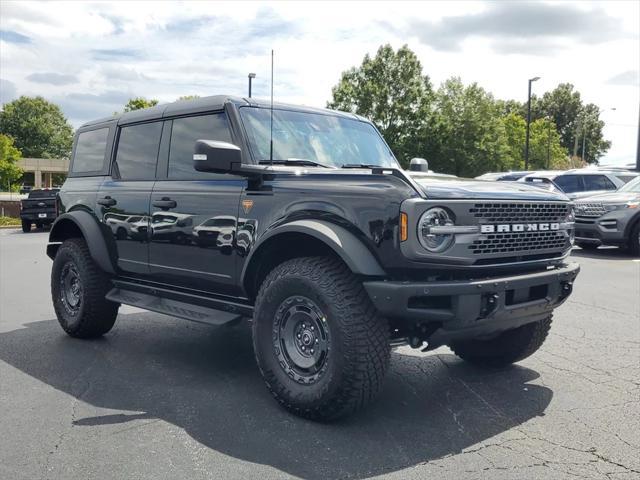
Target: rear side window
(138, 152)
(598, 182)
(184, 133)
(90, 149)
(569, 183)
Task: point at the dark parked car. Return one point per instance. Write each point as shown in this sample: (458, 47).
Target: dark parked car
(332, 250)
(610, 219)
(39, 208)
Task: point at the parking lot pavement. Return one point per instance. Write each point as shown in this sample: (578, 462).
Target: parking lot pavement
(159, 397)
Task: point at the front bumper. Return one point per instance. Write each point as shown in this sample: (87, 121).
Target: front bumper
(474, 308)
(608, 229)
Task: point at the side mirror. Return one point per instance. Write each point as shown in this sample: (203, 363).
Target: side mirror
(418, 165)
(215, 156)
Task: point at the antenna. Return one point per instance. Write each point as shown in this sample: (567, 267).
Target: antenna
(271, 126)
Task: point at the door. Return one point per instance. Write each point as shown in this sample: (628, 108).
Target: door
(194, 214)
(123, 199)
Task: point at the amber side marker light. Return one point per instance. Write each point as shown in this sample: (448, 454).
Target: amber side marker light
(404, 229)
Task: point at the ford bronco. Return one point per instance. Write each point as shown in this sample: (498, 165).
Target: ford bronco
(302, 221)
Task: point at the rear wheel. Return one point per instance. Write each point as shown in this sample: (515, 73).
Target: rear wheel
(320, 344)
(78, 289)
(508, 347)
(587, 245)
(26, 226)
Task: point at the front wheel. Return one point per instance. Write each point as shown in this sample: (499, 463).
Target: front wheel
(634, 240)
(78, 289)
(321, 346)
(507, 348)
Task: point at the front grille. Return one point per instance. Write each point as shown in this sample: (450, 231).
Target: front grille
(520, 212)
(592, 210)
(519, 242)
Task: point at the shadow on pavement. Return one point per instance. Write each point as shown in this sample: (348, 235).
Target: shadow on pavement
(603, 253)
(205, 381)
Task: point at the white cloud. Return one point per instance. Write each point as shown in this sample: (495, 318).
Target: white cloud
(168, 49)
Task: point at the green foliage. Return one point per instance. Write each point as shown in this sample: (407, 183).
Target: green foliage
(391, 91)
(10, 172)
(462, 129)
(465, 135)
(188, 97)
(9, 221)
(38, 127)
(573, 121)
(138, 103)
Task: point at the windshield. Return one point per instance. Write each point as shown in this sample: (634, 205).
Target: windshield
(325, 139)
(633, 186)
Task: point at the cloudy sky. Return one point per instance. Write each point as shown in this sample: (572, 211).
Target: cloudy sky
(90, 58)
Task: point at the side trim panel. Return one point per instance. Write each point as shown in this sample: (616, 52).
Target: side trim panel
(352, 251)
(90, 229)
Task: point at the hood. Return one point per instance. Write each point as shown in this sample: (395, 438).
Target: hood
(612, 197)
(457, 188)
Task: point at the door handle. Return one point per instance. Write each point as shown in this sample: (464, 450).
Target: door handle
(107, 201)
(165, 203)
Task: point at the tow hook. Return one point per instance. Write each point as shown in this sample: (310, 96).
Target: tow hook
(567, 288)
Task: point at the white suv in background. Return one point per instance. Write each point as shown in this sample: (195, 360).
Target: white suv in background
(580, 182)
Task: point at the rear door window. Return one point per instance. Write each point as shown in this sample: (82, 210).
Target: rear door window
(90, 151)
(138, 152)
(598, 182)
(569, 183)
(184, 134)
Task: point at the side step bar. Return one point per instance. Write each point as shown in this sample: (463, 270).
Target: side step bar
(197, 308)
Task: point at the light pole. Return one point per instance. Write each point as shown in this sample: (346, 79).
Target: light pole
(526, 140)
(251, 77)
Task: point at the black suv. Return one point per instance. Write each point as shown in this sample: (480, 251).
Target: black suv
(301, 220)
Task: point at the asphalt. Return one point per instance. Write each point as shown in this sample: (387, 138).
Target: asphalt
(160, 397)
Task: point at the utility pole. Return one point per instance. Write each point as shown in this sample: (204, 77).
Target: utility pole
(526, 141)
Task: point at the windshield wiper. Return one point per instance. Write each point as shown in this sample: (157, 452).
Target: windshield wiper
(295, 161)
(361, 165)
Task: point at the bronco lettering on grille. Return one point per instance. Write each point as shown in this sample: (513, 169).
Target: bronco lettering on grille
(519, 227)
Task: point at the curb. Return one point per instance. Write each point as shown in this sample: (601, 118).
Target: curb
(6, 227)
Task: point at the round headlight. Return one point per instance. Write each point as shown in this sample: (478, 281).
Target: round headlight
(434, 242)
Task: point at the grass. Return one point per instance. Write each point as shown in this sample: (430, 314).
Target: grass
(9, 222)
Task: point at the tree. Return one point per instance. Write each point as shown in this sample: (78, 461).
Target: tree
(545, 149)
(10, 172)
(188, 97)
(139, 103)
(391, 91)
(466, 136)
(573, 120)
(38, 127)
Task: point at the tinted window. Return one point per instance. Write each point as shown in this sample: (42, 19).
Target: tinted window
(569, 183)
(598, 182)
(90, 149)
(184, 133)
(138, 152)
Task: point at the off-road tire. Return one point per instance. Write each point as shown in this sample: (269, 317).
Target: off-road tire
(26, 226)
(507, 348)
(95, 315)
(587, 246)
(360, 349)
(634, 240)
